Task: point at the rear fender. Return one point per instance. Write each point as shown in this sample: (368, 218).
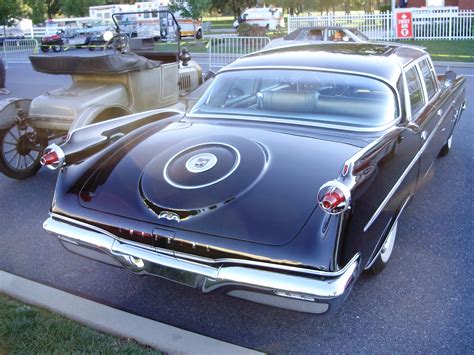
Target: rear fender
(11, 108)
(98, 113)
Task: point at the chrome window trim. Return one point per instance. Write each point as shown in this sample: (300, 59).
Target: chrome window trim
(420, 77)
(414, 65)
(203, 260)
(435, 81)
(319, 69)
(250, 118)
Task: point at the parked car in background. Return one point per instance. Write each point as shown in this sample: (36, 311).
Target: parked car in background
(281, 186)
(269, 17)
(190, 28)
(320, 34)
(10, 33)
(54, 42)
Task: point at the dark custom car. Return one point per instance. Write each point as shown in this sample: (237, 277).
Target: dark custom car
(281, 186)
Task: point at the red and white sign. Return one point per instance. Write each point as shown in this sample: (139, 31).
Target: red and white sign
(404, 22)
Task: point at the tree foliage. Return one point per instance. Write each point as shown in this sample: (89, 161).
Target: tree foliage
(192, 8)
(236, 7)
(9, 11)
(78, 7)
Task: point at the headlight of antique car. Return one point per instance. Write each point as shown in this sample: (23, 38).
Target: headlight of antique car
(108, 35)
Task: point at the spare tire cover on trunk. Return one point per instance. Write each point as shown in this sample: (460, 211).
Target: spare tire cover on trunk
(196, 177)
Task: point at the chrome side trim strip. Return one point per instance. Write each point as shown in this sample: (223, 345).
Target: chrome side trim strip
(402, 177)
(373, 258)
(196, 259)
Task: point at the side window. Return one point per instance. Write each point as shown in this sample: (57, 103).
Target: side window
(415, 91)
(428, 77)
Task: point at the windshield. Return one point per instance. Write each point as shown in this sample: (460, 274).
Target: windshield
(158, 24)
(315, 96)
(359, 34)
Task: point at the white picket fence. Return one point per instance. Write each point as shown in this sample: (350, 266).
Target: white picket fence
(224, 50)
(428, 24)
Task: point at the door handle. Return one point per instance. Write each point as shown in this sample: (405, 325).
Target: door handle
(424, 135)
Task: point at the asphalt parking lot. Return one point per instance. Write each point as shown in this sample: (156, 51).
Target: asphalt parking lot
(422, 302)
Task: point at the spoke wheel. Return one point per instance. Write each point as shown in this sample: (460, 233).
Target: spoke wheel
(20, 151)
(386, 252)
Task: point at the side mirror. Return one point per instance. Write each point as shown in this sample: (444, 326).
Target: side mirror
(449, 78)
(209, 75)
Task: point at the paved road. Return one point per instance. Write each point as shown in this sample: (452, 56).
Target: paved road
(422, 302)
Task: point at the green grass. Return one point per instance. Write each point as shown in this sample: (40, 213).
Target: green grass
(26, 329)
(443, 50)
(440, 50)
(193, 46)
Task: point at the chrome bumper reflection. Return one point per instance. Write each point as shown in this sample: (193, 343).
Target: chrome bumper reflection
(295, 291)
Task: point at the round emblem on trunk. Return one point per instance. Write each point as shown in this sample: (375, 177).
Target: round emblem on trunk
(201, 162)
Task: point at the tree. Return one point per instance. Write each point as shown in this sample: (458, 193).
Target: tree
(9, 11)
(78, 7)
(296, 7)
(52, 7)
(192, 8)
(236, 7)
(37, 10)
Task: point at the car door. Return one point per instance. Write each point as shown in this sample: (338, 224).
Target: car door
(432, 119)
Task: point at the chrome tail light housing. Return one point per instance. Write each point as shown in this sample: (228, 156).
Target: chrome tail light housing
(53, 157)
(334, 197)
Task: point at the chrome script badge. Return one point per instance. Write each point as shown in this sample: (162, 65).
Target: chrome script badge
(170, 216)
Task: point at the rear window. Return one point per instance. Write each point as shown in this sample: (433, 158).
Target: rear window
(315, 96)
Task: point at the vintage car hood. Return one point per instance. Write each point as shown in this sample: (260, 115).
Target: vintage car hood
(256, 184)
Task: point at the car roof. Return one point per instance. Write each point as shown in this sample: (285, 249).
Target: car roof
(383, 60)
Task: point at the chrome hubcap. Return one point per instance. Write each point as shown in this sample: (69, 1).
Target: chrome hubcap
(387, 247)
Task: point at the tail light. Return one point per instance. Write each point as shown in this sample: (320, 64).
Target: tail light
(334, 197)
(53, 157)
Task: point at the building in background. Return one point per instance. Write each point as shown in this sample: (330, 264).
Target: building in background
(461, 4)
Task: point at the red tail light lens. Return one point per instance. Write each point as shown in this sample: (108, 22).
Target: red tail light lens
(53, 157)
(334, 197)
(49, 158)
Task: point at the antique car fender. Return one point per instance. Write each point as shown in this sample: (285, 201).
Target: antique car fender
(98, 113)
(11, 108)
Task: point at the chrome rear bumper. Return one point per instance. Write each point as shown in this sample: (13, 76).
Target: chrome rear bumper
(304, 292)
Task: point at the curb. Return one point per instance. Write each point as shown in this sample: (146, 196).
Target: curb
(454, 64)
(161, 336)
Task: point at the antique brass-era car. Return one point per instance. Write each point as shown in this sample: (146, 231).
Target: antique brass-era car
(103, 87)
(281, 186)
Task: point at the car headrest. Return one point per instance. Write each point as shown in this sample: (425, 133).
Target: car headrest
(288, 101)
